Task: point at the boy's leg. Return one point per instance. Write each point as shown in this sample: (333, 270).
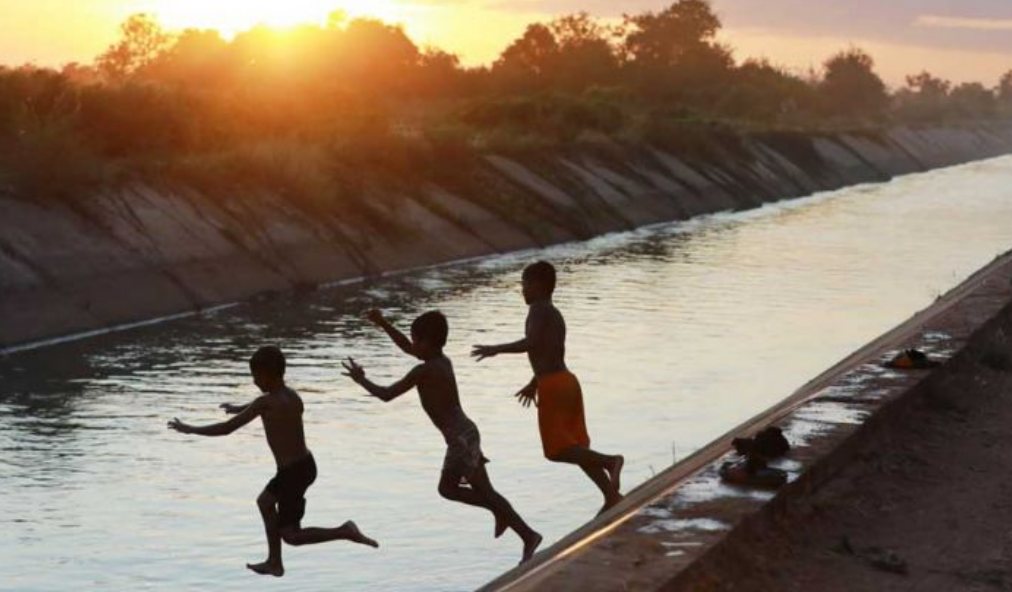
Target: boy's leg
(296, 535)
(604, 470)
(482, 487)
(451, 489)
(268, 511)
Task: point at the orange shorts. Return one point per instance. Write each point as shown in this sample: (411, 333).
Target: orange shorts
(560, 413)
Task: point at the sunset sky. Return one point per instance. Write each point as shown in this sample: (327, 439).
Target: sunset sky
(966, 40)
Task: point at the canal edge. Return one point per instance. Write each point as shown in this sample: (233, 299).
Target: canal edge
(671, 527)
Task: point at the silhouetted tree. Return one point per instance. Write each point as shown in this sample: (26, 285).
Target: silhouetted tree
(375, 56)
(585, 56)
(850, 86)
(199, 57)
(527, 63)
(675, 51)
(762, 91)
(439, 74)
(973, 100)
(142, 40)
(925, 98)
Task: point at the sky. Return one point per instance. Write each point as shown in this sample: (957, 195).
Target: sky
(963, 40)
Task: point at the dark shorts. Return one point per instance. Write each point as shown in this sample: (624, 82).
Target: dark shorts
(463, 451)
(289, 487)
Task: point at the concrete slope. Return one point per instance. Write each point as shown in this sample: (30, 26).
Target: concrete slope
(144, 251)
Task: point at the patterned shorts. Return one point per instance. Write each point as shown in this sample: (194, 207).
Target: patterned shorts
(463, 452)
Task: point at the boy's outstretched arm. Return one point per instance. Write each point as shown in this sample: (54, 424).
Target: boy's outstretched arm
(489, 351)
(384, 393)
(251, 412)
(535, 329)
(231, 409)
(375, 316)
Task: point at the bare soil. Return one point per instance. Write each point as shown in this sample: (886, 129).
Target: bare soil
(927, 506)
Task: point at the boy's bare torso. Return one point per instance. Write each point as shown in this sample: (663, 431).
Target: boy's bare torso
(437, 389)
(546, 338)
(282, 419)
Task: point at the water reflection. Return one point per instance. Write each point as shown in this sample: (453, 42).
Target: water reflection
(677, 332)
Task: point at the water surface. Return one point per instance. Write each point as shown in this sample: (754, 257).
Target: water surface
(678, 332)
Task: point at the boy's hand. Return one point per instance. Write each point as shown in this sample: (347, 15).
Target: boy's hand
(528, 395)
(353, 370)
(231, 409)
(484, 351)
(374, 316)
(179, 426)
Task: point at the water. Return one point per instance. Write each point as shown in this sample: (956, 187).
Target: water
(678, 332)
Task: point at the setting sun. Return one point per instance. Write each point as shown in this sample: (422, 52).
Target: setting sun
(232, 17)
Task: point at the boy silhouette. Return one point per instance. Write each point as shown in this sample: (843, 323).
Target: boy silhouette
(464, 478)
(282, 503)
(555, 390)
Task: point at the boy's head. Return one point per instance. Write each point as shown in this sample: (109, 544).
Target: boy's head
(429, 333)
(538, 281)
(267, 367)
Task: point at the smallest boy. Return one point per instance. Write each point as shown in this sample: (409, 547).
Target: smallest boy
(464, 478)
(282, 503)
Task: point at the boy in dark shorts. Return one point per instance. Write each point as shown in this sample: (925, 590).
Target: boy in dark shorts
(554, 389)
(282, 503)
(464, 478)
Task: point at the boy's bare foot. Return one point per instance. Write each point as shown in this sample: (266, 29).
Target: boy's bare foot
(615, 472)
(531, 545)
(356, 535)
(611, 503)
(500, 525)
(266, 569)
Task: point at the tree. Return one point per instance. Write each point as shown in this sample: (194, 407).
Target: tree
(666, 36)
(196, 57)
(439, 74)
(926, 98)
(973, 100)
(375, 56)
(526, 64)
(585, 55)
(1003, 94)
(850, 86)
(675, 51)
(760, 90)
(142, 40)
(928, 86)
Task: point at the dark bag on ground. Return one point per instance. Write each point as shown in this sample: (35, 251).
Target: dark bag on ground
(752, 471)
(769, 443)
(911, 359)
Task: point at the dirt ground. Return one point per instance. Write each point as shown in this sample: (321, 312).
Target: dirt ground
(927, 507)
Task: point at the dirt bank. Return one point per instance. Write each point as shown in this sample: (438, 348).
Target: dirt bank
(927, 505)
(146, 251)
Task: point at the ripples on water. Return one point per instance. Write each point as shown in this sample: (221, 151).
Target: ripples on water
(678, 332)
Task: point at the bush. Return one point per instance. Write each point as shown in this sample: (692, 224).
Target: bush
(559, 117)
(49, 159)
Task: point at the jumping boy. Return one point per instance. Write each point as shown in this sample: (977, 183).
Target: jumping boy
(464, 478)
(554, 390)
(282, 503)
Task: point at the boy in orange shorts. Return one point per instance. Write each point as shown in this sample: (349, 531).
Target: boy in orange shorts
(554, 390)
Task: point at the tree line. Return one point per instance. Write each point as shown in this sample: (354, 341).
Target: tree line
(155, 94)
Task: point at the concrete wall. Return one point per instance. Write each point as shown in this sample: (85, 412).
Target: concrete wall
(139, 252)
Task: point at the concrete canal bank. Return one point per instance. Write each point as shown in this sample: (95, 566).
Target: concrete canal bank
(145, 251)
(685, 530)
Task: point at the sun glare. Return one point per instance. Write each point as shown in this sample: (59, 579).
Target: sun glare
(230, 17)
